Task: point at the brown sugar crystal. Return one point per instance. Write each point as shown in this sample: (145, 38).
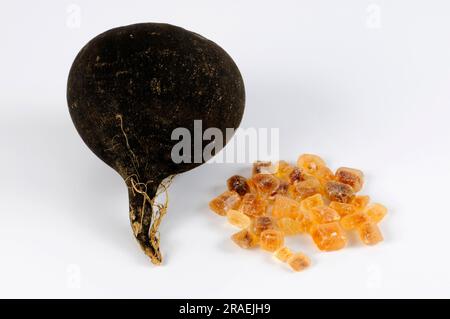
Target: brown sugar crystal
(299, 262)
(324, 174)
(360, 202)
(283, 253)
(329, 237)
(271, 239)
(253, 205)
(324, 215)
(352, 221)
(306, 188)
(284, 170)
(339, 192)
(263, 167)
(310, 163)
(266, 183)
(376, 212)
(369, 233)
(262, 223)
(224, 202)
(245, 239)
(238, 219)
(238, 184)
(290, 226)
(284, 206)
(343, 209)
(350, 176)
(311, 202)
(296, 175)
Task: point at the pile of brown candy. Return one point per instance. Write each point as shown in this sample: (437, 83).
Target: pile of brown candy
(284, 200)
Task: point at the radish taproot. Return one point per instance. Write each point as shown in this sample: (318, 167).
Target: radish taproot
(130, 87)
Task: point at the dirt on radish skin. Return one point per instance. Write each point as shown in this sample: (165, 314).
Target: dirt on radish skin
(128, 90)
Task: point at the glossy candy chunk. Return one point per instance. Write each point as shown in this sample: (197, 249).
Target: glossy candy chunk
(283, 253)
(282, 189)
(283, 170)
(324, 215)
(369, 233)
(245, 239)
(376, 212)
(310, 202)
(298, 262)
(360, 202)
(305, 222)
(271, 240)
(238, 219)
(296, 175)
(328, 237)
(284, 206)
(266, 183)
(306, 188)
(339, 192)
(352, 221)
(238, 184)
(262, 223)
(253, 205)
(263, 167)
(343, 209)
(350, 176)
(310, 163)
(224, 202)
(323, 174)
(290, 226)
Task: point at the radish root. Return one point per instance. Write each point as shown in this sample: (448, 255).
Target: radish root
(146, 214)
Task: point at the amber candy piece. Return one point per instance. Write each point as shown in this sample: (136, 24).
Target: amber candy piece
(310, 163)
(339, 192)
(350, 176)
(369, 233)
(306, 188)
(310, 202)
(262, 223)
(323, 174)
(328, 237)
(283, 253)
(296, 175)
(324, 215)
(245, 239)
(266, 183)
(238, 184)
(282, 189)
(305, 221)
(224, 202)
(360, 202)
(284, 206)
(238, 219)
(252, 186)
(298, 262)
(283, 170)
(352, 221)
(376, 212)
(263, 167)
(343, 209)
(253, 205)
(271, 240)
(290, 226)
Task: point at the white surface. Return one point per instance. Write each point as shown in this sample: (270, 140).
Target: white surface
(336, 83)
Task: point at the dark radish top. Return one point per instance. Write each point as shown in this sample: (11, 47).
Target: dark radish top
(130, 87)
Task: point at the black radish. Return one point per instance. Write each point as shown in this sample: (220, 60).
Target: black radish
(130, 87)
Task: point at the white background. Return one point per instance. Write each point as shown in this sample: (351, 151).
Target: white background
(363, 83)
